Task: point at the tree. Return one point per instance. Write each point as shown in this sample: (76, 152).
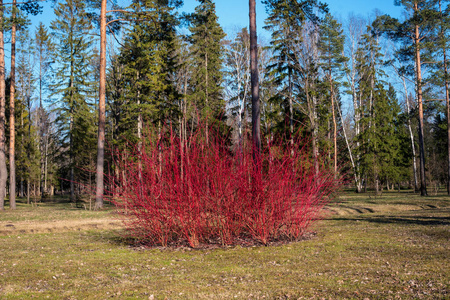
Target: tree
(414, 33)
(206, 48)
(149, 62)
(12, 123)
(3, 170)
(286, 21)
(238, 87)
(72, 78)
(356, 27)
(44, 52)
(443, 41)
(331, 44)
(101, 111)
(256, 119)
(381, 141)
(368, 62)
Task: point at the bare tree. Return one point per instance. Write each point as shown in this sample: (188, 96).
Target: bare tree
(355, 29)
(238, 85)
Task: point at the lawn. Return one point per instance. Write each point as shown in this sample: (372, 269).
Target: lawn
(394, 246)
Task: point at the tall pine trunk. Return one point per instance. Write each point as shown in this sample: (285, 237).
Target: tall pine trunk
(423, 184)
(334, 124)
(447, 101)
(447, 97)
(101, 111)
(3, 170)
(12, 129)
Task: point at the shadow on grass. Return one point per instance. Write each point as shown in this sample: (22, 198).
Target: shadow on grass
(405, 220)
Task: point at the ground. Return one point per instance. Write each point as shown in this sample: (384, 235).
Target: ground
(394, 246)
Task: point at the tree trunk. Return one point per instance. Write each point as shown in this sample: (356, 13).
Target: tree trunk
(423, 184)
(256, 120)
(22, 147)
(3, 170)
(447, 98)
(101, 111)
(334, 125)
(291, 114)
(206, 100)
(72, 186)
(356, 176)
(12, 129)
(28, 191)
(46, 164)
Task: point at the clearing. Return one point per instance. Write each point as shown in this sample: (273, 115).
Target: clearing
(396, 246)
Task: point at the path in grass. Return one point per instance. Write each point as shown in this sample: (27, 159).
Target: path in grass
(391, 247)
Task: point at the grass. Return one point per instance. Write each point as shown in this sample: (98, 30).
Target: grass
(396, 246)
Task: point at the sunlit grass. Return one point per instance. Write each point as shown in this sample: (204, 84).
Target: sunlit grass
(400, 250)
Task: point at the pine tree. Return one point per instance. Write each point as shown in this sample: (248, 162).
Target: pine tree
(3, 169)
(25, 142)
(12, 125)
(381, 141)
(414, 33)
(44, 52)
(440, 75)
(206, 48)
(287, 21)
(149, 61)
(331, 45)
(368, 66)
(72, 78)
(99, 191)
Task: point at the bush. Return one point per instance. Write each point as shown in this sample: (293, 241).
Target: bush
(172, 192)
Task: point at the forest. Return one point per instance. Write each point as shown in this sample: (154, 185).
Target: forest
(368, 96)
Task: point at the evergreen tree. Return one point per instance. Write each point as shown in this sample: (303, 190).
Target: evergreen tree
(149, 62)
(331, 45)
(382, 140)
(207, 50)
(44, 53)
(72, 81)
(414, 33)
(368, 66)
(287, 20)
(25, 143)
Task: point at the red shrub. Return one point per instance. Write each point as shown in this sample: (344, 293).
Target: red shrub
(196, 192)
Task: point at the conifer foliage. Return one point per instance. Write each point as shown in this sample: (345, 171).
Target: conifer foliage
(207, 54)
(73, 87)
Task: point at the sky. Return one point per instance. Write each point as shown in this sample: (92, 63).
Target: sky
(234, 13)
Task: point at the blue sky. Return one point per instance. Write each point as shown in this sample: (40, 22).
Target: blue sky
(234, 13)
